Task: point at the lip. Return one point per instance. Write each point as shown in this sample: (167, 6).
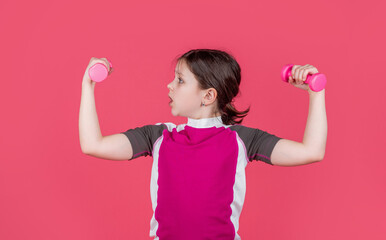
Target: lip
(171, 100)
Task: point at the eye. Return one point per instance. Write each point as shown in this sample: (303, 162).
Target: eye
(180, 79)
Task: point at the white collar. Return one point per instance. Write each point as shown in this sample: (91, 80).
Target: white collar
(205, 122)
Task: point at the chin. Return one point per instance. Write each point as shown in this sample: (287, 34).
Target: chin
(174, 113)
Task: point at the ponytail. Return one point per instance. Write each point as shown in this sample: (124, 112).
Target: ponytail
(230, 114)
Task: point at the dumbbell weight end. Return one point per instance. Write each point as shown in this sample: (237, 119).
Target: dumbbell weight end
(99, 72)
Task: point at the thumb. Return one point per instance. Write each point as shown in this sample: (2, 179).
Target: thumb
(291, 80)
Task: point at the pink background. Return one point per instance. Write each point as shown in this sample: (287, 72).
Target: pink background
(49, 189)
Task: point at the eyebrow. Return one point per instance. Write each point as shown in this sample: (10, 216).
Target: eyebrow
(179, 73)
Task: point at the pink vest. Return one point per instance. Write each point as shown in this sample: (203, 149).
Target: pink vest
(198, 175)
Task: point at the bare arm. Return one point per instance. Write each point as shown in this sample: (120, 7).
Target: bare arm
(291, 153)
(89, 129)
(315, 135)
(113, 147)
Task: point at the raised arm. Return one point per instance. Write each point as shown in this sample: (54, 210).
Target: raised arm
(112, 147)
(312, 149)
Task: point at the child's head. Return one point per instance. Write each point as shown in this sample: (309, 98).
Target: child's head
(205, 84)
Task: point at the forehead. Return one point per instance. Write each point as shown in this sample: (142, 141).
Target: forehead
(181, 68)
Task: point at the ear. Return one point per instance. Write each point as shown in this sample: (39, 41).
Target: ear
(210, 96)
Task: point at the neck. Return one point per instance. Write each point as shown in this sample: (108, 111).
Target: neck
(205, 122)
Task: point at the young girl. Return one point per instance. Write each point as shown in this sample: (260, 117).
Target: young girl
(198, 173)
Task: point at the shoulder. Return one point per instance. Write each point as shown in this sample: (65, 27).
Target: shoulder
(170, 126)
(243, 130)
(249, 134)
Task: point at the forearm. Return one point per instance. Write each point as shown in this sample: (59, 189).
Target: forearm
(315, 135)
(89, 130)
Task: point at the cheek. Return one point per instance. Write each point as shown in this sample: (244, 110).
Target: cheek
(186, 96)
(191, 101)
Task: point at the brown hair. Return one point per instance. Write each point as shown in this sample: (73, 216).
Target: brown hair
(219, 70)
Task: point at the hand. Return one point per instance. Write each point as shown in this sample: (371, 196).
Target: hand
(299, 74)
(86, 78)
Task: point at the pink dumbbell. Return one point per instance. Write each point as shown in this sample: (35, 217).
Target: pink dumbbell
(316, 81)
(99, 72)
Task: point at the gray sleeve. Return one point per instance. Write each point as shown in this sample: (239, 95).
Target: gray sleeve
(143, 138)
(259, 144)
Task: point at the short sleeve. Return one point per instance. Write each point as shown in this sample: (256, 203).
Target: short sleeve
(143, 138)
(259, 144)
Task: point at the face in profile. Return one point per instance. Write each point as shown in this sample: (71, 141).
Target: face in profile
(185, 95)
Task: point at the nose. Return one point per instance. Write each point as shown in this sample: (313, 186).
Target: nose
(169, 86)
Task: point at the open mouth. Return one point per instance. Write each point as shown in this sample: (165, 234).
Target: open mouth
(171, 100)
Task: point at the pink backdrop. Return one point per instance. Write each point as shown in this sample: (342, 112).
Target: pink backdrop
(49, 189)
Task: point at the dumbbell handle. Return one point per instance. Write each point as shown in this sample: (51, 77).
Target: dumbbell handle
(99, 72)
(316, 82)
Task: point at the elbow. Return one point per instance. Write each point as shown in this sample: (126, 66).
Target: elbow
(319, 157)
(85, 150)
(90, 148)
(314, 156)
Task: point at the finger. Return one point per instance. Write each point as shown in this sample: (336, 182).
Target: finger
(110, 64)
(297, 75)
(107, 63)
(305, 74)
(293, 80)
(302, 71)
(301, 75)
(313, 70)
(293, 71)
